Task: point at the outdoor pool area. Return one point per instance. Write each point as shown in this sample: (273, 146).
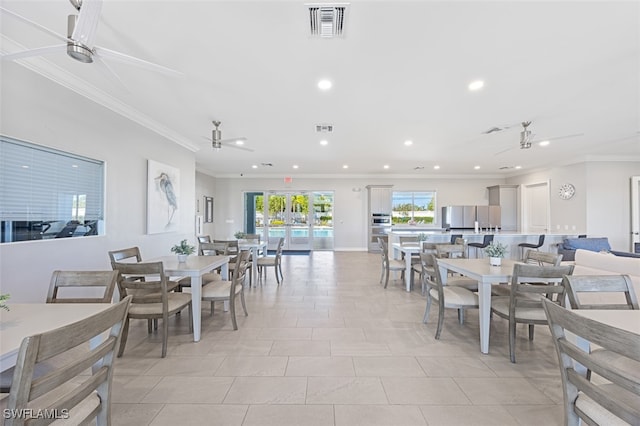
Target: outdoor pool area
(299, 232)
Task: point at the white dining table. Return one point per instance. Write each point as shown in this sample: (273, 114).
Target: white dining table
(256, 248)
(486, 275)
(408, 249)
(26, 319)
(194, 267)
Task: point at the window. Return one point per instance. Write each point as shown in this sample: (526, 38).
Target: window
(46, 193)
(414, 207)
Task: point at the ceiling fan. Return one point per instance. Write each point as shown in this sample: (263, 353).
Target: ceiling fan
(79, 42)
(217, 141)
(527, 139)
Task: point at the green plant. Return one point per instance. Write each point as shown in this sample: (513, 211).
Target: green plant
(183, 248)
(239, 235)
(496, 249)
(3, 300)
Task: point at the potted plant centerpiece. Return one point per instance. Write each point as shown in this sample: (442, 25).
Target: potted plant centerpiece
(239, 235)
(496, 252)
(183, 250)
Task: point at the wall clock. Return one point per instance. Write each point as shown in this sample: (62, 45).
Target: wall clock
(566, 191)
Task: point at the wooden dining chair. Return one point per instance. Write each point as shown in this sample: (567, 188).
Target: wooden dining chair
(389, 265)
(456, 251)
(68, 391)
(274, 262)
(132, 254)
(524, 304)
(228, 290)
(151, 299)
(212, 249)
(447, 296)
(616, 398)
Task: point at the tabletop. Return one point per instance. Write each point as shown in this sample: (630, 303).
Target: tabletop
(27, 319)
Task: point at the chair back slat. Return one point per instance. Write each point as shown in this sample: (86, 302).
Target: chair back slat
(151, 290)
(74, 280)
(542, 258)
(597, 285)
(449, 251)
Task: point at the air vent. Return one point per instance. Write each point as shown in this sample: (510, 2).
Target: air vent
(327, 20)
(324, 128)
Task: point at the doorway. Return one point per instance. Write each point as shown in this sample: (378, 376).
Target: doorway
(536, 208)
(303, 218)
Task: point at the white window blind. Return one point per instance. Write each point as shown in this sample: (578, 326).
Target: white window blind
(39, 184)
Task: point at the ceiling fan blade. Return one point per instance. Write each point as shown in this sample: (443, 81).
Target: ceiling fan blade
(34, 24)
(87, 23)
(109, 73)
(575, 135)
(34, 52)
(504, 150)
(234, 145)
(126, 59)
(233, 141)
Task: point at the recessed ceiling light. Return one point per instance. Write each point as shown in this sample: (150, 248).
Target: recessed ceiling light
(295, 166)
(324, 142)
(346, 166)
(518, 167)
(324, 84)
(476, 167)
(386, 166)
(408, 143)
(544, 143)
(239, 142)
(476, 85)
(255, 166)
(436, 167)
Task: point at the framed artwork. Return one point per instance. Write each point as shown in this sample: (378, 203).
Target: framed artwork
(208, 209)
(163, 197)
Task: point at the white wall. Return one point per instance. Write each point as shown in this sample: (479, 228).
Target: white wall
(93, 131)
(601, 205)
(350, 209)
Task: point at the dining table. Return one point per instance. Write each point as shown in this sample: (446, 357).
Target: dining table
(407, 249)
(194, 267)
(486, 275)
(27, 319)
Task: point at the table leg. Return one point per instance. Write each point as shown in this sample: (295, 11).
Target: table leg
(224, 273)
(196, 304)
(254, 266)
(484, 311)
(407, 271)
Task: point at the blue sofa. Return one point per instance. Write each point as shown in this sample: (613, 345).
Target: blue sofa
(569, 246)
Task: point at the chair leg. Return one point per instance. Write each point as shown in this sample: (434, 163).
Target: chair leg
(382, 275)
(461, 316)
(531, 328)
(512, 341)
(232, 311)
(123, 339)
(386, 278)
(440, 320)
(244, 306)
(275, 270)
(150, 326)
(165, 336)
(212, 302)
(425, 318)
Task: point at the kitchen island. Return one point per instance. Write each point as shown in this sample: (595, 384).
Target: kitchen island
(509, 238)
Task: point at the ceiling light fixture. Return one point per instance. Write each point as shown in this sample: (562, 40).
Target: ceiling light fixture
(436, 167)
(295, 166)
(544, 143)
(476, 85)
(255, 166)
(518, 167)
(386, 166)
(408, 143)
(324, 85)
(324, 142)
(346, 166)
(476, 167)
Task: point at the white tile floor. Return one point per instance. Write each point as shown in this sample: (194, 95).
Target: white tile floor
(332, 347)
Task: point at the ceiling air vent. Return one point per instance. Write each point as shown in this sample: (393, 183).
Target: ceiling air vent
(327, 20)
(324, 128)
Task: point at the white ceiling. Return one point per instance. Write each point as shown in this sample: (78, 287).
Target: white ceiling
(400, 72)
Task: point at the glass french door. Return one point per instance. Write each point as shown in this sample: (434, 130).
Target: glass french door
(287, 216)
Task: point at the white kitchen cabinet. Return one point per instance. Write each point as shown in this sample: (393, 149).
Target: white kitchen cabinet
(505, 196)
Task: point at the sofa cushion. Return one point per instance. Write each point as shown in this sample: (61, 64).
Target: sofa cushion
(591, 244)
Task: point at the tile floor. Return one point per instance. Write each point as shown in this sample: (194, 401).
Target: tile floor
(332, 347)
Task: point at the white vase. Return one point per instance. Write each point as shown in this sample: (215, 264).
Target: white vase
(182, 258)
(495, 261)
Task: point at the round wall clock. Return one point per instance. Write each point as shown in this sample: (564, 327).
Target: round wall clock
(566, 191)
